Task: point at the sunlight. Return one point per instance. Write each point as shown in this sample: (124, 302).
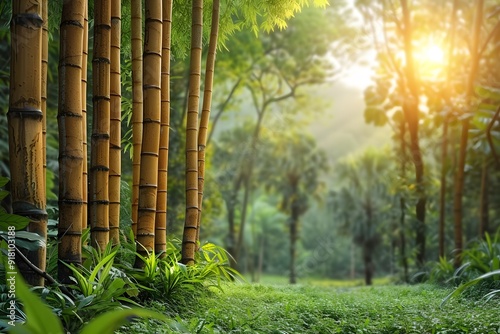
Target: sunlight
(429, 58)
(432, 54)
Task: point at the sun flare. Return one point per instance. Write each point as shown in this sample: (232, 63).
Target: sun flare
(432, 54)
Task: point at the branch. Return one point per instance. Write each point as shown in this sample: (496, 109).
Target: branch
(44, 274)
(488, 39)
(221, 109)
(490, 139)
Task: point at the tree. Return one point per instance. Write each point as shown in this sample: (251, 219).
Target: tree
(148, 185)
(85, 54)
(460, 173)
(70, 121)
(115, 137)
(361, 201)
(279, 66)
(99, 159)
(411, 112)
(25, 122)
(299, 164)
(191, 222)
(137, 106)
(161, 203)
(207, 103)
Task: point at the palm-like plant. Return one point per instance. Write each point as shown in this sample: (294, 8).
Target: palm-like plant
(300, 163)
(359, 204)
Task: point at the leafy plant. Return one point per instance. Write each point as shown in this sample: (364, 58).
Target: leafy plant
(11, 224)
(442, 272)
(104, 284)
(483, 257)
(41, 320)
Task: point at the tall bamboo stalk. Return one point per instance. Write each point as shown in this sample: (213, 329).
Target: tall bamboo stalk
(161, 200)
(99, 159)
(45, 65)
(191, 222)
(85, 55)
(151, 129)
(25, 120)
(115, 125)
(206, 107)
(69, 118)
(137, 112)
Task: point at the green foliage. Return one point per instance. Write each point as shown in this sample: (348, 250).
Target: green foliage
(480, 269)
(482, 257)
(442, 271)
(308, 309)
(41, 320)
(11, 225)
(104, 286)
(164, 276)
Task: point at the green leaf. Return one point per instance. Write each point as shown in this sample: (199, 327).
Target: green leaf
(110, 321)
(3, 194)
(488, 92)
(3, 181)
(40, 319)
(8, 219)
(470, 283)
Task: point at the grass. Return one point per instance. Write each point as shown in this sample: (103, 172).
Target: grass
(245, 308)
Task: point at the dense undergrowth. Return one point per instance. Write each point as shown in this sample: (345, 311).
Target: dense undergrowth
(313, 309)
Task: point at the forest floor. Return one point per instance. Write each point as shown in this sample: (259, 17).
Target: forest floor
(265, 308)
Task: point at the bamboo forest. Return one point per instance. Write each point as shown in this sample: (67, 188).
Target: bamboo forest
(249, 166)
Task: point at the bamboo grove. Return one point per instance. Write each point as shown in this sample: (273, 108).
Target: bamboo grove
(90, 163)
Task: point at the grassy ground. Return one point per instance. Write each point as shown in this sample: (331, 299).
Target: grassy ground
(245, 308)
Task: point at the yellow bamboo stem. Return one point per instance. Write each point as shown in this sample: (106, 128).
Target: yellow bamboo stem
(151, 129)
(115, 130)
(161, 201)
(85, 177)
(99, 159)
(206, 107)
(70, 120)
(191, 222)
(25, 120)
(137, 112)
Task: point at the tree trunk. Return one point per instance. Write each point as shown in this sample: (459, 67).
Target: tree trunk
(442, 191)
(161, 201)
(260, 264)
(247, 178)
(484, 201)
(402, 205)
(191, 222)
(205, 112)
(411, 111)
(137, 111)
(115, 150)
(70, 137)
(151, 131)
(460, 174)
(293, 245)
(231, 236)
(99, 158)
(25, 122)
(85, 55)
(444, 144)
(368, 262)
